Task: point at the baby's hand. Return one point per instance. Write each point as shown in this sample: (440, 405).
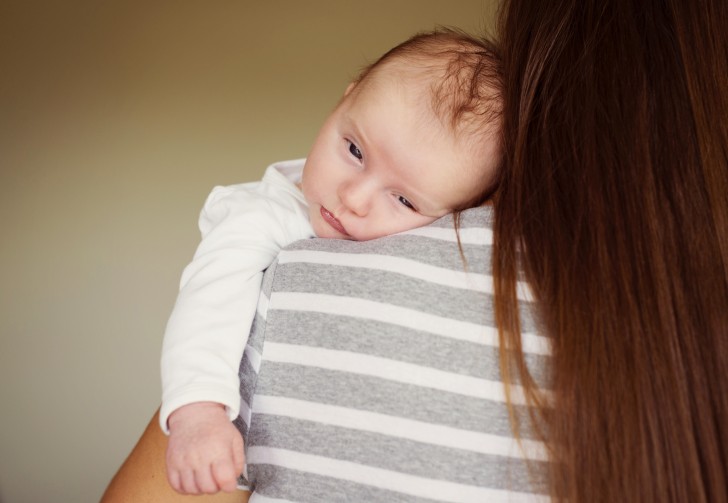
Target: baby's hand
(205, 451)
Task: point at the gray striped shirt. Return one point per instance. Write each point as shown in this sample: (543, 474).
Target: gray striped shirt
(372, 374)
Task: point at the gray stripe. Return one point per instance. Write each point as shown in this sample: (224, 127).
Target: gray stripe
(378, 395)
(276, 482)
(388, 288)
(389, 453)
(474, 217)
(246, 373)
(395, 289)
(248, 380)
(388, 341)
(435, 252)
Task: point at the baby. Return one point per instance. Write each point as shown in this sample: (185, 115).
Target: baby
(415, 137)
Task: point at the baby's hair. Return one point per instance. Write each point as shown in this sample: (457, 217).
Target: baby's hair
(465, 72)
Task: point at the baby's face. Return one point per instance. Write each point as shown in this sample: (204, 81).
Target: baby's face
(384, 163)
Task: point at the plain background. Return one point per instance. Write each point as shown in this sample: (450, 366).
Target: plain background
(116, 120)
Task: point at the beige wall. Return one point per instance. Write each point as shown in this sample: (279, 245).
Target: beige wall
(116, 119)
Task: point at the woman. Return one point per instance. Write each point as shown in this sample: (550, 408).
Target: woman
(614, 200)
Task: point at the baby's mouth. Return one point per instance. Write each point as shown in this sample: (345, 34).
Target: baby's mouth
(333, 221)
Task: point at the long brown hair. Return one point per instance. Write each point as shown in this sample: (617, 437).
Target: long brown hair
(614, 202)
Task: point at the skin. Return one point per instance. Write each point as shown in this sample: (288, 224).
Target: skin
(205, 451)
(382, 163)
(142, 477)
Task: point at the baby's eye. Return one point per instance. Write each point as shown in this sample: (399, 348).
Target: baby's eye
(354, 150)
(406, 203)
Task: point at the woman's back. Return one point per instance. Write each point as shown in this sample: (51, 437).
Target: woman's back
(379, 377)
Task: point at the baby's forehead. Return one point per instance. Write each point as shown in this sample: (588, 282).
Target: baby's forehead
(463, 96)
(414, 83)
(430, 111)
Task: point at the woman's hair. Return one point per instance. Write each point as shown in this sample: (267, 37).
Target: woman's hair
(614, 202)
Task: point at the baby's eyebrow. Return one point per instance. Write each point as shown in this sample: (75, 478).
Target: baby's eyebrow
(421, 198)
(425, 204)
(360, 136)
(350, 122)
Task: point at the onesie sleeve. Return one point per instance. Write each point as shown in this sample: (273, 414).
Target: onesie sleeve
(243, 227)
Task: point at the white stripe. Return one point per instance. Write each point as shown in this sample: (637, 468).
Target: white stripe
(468, 236)
(398, 427)
(259, 498)
(262, 307)
(254, 357)
(399, 265)
(402, 316)
(245, 412)
(412, 268)
(423, 487)
(392, 370)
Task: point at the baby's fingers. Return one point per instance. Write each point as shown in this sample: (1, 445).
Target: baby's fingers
(175, 481)
(206, 481)
(238, 454)
(197, 480)
(225, 475)
(188, 482)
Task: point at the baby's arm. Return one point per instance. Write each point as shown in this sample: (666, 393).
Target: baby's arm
(243, 230)
(208, 328)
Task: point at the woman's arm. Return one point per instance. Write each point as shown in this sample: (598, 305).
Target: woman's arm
(142, 477)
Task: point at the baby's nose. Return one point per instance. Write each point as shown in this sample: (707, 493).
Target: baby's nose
(356, 195)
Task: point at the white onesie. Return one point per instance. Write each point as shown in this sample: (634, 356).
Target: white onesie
(243, 228)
